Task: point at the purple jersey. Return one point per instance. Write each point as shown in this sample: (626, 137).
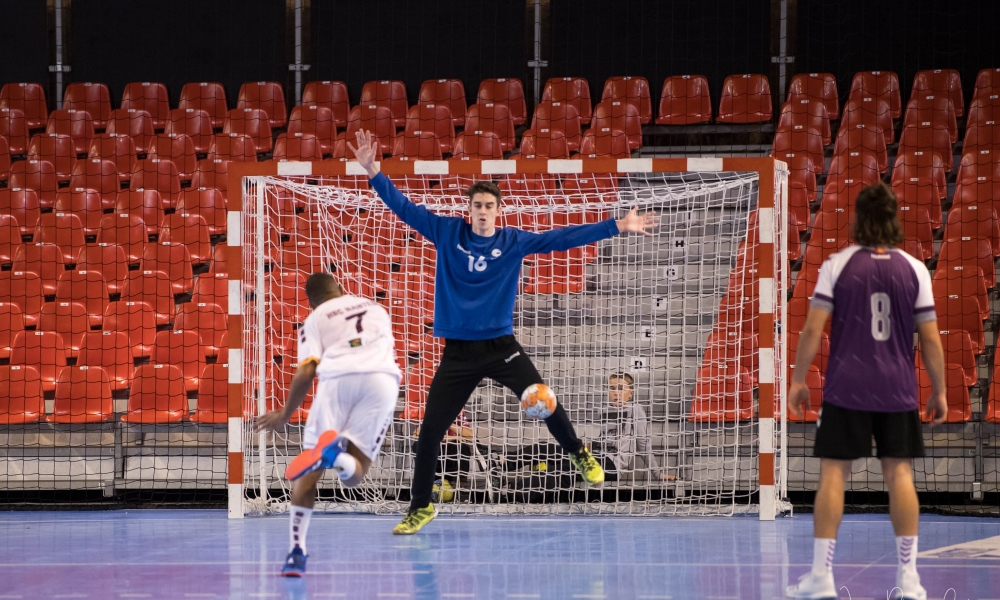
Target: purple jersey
(876, 296)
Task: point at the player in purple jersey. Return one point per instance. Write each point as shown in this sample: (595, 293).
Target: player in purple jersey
(876, 294)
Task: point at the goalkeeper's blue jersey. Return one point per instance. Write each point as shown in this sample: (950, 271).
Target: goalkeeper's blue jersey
(477, 277)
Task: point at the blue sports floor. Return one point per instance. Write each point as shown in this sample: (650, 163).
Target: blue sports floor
(200, 554)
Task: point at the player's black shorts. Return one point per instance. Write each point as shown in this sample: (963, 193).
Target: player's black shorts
(846, 434)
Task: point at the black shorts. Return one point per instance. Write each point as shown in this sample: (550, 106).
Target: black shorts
(846, 434)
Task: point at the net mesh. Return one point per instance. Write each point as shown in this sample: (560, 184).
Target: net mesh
(668, 319)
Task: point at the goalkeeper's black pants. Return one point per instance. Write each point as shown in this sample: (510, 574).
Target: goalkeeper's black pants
(463, 365)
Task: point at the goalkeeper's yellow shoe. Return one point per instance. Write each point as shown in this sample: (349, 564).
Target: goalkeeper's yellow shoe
(588, 466)
(415, 519)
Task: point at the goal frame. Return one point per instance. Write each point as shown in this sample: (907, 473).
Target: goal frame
(771, 402)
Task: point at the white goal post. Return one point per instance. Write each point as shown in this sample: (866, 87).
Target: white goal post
(687, 320)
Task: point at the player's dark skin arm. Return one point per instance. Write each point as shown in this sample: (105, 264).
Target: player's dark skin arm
(301, 382)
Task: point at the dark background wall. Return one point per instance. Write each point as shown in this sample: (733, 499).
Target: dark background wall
(24, 41)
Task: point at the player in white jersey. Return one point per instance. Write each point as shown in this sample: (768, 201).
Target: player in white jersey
(346, 341)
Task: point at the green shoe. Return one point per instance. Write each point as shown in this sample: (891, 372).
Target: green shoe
(588, 466)
(416, 518)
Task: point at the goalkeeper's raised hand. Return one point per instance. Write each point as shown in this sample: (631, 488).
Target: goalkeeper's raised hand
(366, 151)
(633, 221)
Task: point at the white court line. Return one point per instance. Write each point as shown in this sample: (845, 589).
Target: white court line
(196, 595)
(458, 595)
(134, 595)
(70, 596)
(923, 565)
(330, 595)
(11, 596)
(393, 595)
(589, 596)
(524, 596)
(655, 597)
(247, 572)
(725, 598)
(264, 595)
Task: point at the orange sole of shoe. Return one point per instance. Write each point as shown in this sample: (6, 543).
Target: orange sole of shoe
(307, 461)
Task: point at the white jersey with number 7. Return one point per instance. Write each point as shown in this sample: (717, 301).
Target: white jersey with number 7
(348, 335)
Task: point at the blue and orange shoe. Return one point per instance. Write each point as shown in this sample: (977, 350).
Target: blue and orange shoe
(319, 457)
(295, 564)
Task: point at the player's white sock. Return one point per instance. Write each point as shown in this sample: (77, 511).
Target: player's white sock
(346, 466)
(298, 525)
(823, 555)
(906, 551)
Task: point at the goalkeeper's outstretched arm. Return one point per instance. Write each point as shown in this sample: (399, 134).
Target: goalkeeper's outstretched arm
(564, 238)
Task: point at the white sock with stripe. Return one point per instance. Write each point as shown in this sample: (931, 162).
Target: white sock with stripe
(823, 555)
(298, 525)
(906, 551)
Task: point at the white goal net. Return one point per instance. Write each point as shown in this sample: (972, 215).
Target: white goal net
(650, 342)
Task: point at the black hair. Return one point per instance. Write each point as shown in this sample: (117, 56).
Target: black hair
(321, 287)
(876, 222)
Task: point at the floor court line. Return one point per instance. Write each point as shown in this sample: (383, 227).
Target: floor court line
(923, 565)
(524, 595)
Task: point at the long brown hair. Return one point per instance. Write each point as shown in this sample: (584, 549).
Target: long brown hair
(876, 222)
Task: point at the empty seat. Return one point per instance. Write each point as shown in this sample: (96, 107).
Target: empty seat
(446, 92)
(183, 350)
(190, 230)
(77, 124)
(935, 140)
(157, 395)
(212, 173)
(42, 350)
(57, 149)
(44, 260)
(207, 202)
(883, 85)
(376, 119)
(870, 112)
(918, 168)
(684, 100)
(504, 91)
(21, 398)
(252, 122)
(433, 118)
(211, 289)
(722, 393)
(267, 96)
(194, 123)
(817, 86)
(173, 260)
(475, 145)
(943, 82)
(615, 115)
(11, 322)
(179, 149)
(865, 140)
(932, 111)
(961, 313)
(959, 406)
(790, 145)
(119, 149)
(917, 226)
(107, 259)
(23, 290)
(632, 90)
(142, 203)
(984, 111)
(236, 147)
(125, 230)
(160, 175)
(92, 98)
(14, 127)
(137, 320)
(29, 98)
(64, 230)
(150, 97)
(331, 95)
(605, 142)
(745, 99)
(971, 221)
(315, 120)
(208, 320)
(805, 114)
(83, 395)
(152, 288)
(957, 350)
(86, 287)
(85, 204)
(390, 94)
(69, 320)
(99, 175)
(213, 395)
(987, 83)
(298, 147)
(23, 206)
(137, 124)
(38, 175)
(544, 143)
(558, 117)
(571, 90)
(417, 145)
(110, 350)
(970, 253)
(205, 96)
(4, 160)
(220, 261)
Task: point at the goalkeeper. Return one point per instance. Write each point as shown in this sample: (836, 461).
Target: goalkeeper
(478, 269)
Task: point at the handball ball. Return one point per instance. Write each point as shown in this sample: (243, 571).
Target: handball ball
(538, 401)
(442, 491)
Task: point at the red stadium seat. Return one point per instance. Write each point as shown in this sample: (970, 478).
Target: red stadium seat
(388, 94)
(212, 173)
(157, 395)
(684, 100)
(181, 349)
(961, 313)
(11, 322)
(920, 196)
(190, 230)
(144, 204)
(236, 147)
(69, 320)
(137, 124)
(508, 92)
(252, 122)
(220, 261)
(961, 280)
(605, 143)
(982, 140)
(10, 239)
(434, 118)
(209, 321)
(83, 395)
(796, 145)
(935, 140)
(870, 112)
(23, 290)
(973, 222)
(153, 288)
(107, 259)
(23, 205)
(558, 273)
(920, 169)
(298, 147)
(618, 116)
(160, 175)
(179, 149)
(42, 350)
(865, 140)
(110, 350)
(20, 395)
(417, 145)
(267, 96)
(38, 175)
(958, 351)
(883, 85)
(932, 111)
(204, 96)
(77, 124)
(631, 90)
(118, 149)
(99, 175)
(92, 98)
(805, 114)
(173, 260)
(125, 230)
(137, 320)
(376, 119)
(194, 123)
(213, 395)
(987, 83)
(446, 92)
(85, 204)
(917, 226)
(817, 250)
(86, 287)
(64, 230)
(817, 86)
(150, 97)
(329, 94)
(544, 143)
(969, 253)
(574, 91)
(29, 98)
(56, 149)
(853, 166)
(798, 206)
(959, 405)
(833, 223)
(745, 99)
(315, 120)
(211, 289)
(941, 82)
(984, 112)
(475, 145)
(4, 160)
(14, 127)
(722, 393)
(558, 117)
(44, 260)
(207, 202)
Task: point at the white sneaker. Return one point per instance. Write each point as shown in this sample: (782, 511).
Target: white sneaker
(908, 586)
(814, 587)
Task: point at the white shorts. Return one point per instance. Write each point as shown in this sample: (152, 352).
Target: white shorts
(358, 407)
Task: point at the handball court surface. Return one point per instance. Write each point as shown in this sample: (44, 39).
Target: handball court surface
(179, 554)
